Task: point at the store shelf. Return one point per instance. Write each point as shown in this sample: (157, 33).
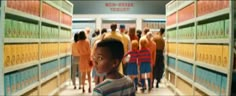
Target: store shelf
(172, 40)
(171, 69)
(20, 66)
(212, 67)
(21, 14)
(50, 22)
(58, 89)
(186, 22)
(213, 14)
(65, 26)
(49, 40)
(186, 41)
(171, 26)
(20, 40)
(171, 55)
(175, 89)
(190, 81)
(49, 77)
(186, 3)
(64, 55)
(23, 91)
(204, 89)
(64, 69)
(52, 4)
(65, 40)
(186, 59)
(155, 30)
(215, 41)
(48, 59)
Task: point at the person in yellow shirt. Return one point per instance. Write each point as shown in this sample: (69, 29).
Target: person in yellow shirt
(127, 42)
(115, 35)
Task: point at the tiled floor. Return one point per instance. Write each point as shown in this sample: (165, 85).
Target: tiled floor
(69, 91)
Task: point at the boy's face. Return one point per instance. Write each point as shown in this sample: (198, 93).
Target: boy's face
(102, 60)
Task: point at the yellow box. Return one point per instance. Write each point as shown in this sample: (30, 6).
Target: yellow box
(18, 53)
(211, 53)
(225, 56)
(7, 55)
(219, 57)
(27, 51)
(198, 55)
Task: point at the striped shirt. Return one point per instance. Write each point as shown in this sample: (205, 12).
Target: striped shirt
(133, 56)
(144, 56)
(115, 87)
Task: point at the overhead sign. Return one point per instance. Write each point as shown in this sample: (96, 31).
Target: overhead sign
(119, 7)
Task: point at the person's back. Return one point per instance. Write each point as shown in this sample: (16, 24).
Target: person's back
(160, 42)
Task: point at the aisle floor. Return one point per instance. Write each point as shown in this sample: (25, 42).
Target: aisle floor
(161, 91)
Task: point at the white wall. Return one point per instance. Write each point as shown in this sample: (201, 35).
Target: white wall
(139, 18)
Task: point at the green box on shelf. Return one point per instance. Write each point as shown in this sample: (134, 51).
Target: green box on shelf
(218, 83)
(209, 31)
(7, 85)
(14, 28)
(223, 85)
(7, 28)
(213, 29)
(222, 24)
(226, 28)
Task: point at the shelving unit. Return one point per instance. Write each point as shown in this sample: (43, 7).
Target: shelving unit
(33, 37)
(215, 15)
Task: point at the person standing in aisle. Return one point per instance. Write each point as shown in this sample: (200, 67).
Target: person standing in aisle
(152, 47)
(146, 30)
(75, 61)
(159, 65)
(127, 42)
(132, 63)
(132, 34)
(107, 57)
(87, 33)
(84, 62)
(95, 36)
(144, 62)
(139, 33)
(98, 78)
(115, 35)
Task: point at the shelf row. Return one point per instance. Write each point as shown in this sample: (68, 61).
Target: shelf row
(200, 19)
(12, 12)
(206, 88)
(33, 63)
(18, 83)
(198, 63)
(28, 40)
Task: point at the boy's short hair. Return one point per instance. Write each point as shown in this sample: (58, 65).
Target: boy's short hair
(143, 42)
(134, 44)
(115, 47)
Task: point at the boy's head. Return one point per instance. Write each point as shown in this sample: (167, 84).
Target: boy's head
(143, 43)
(108, 55)
(134, 45)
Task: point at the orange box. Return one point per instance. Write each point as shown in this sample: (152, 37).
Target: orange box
(225, 55)
(7, 55)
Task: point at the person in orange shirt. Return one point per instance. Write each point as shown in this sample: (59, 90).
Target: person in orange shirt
(84, 62)
(75, 61)
(152, 47)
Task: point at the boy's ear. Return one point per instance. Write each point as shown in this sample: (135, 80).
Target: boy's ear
(116, 63)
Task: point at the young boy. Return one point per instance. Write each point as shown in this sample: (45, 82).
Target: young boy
(107, 57)
(144, 62)
(132, 67)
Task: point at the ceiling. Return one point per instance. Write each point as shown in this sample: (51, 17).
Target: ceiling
(98, 6)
